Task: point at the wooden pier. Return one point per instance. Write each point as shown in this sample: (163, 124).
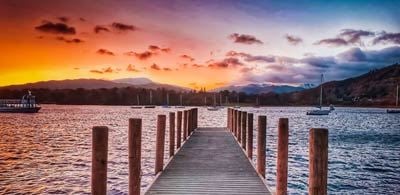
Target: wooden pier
(211, 160)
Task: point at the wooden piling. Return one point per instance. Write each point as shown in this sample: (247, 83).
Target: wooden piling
(179, 130)
(196, 118)
(171, 134)
(234, 123)
(261, 142)
(190, 121)
(99, 160)
(161, 122)
(134, 155)
(185, 125)
(244, 126)
(228, 117)
(318, 162)
(282, 158)
(250, 135)
(239, 130)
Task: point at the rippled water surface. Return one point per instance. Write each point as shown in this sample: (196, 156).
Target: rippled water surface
(50, 152)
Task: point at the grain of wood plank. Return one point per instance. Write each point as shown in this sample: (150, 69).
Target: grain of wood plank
(210, 162)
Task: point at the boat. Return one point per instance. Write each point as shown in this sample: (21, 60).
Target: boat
(257, 103)
(25, 105)
(167, 105)
(138, 103)
(395, 111)
(215, 107)
(320, 111)
(181, 106)
(331, 107)
(237, 102)
(151, 101)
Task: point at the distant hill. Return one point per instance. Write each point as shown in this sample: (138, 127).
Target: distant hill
(261, 88)
(95, 84)
(377, 87)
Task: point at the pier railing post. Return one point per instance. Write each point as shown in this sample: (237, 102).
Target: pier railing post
(244, 127)
(234, 123)
(261, 142)
(185, 124)
(190, 121)
(228, 118)
(99, 160)
(250, 135)
(179, 130)
(196, 118)
(282, 158)
(239, 130)
(171, 133)
(134, 155)
(318, 159)
(161, 121)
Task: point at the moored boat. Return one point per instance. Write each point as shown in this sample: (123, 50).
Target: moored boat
(320, 111)
(394, 110)
(25, 105)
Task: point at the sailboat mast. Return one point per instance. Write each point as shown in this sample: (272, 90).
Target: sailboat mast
(220, 99)
(397, 95)
(151, 97)
(167, 99)
(137, 98)
(181, 101)
(320, 95)
(205, 100)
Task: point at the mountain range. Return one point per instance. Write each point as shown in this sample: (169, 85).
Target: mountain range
(96, 84)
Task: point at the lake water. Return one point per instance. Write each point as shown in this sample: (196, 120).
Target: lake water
(50, 152)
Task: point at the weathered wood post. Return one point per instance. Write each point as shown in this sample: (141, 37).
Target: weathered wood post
(161, 121)
(239, 136)
(234, 123)
(134, 155)
(261, 142)
(171, 134)
(250, 135)
(318, 159)
(190, 121)
(244, 127)
(99, 160)
(196, 118)
(185, 124)
(228, 118)
(282, 158)
(179, 130)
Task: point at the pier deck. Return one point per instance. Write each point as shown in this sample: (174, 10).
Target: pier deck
(210, 162)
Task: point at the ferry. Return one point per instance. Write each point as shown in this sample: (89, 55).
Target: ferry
(25, 105)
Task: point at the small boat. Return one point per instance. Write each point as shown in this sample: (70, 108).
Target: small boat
(215, 107)
(181, 106)
(395, 111)
(150, 106)
(320, 111)
(212, 108)
(138, 103)
(167, 105)
(331, 107)
(25, 105)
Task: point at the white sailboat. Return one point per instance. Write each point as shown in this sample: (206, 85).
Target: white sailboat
(213, 108)
(237, 106)
(395, 110)
(320, 111)
(151, 101)
(167, 106)
(180, 106)
(138, 103)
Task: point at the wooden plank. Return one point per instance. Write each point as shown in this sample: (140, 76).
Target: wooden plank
(210, 162)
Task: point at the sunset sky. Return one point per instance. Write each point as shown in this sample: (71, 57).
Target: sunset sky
(196, 43)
